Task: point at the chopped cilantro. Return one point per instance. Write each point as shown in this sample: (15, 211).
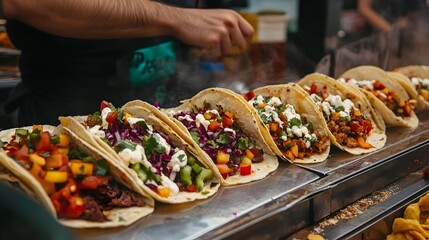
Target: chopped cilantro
(310, 127)
(205, 192)
(265, 118)
(181, 157)
(213, 144)
(281, 107)
(149, 144)
(120, 116)
(339, 108)
(143, 125)
(22, 133)
(45, 154)
(195, 136)
(1, 144)
(206, 105)
(243, 143)
(294, 122)
(127, 144)
(222, 138)
(121, 219)
(346, 119)
(82, 169)
(96, 118)
(76, 154)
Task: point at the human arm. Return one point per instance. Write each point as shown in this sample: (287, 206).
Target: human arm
(101, 19)
(372, 17)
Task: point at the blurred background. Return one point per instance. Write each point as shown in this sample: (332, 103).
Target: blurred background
(292, 38)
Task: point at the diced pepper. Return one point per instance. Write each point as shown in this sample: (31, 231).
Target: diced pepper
(294, 150)
(246, 161)
(222, 157)
(111, 116)
(35, 158)
(64, 141)
(164, 192)
(362, 143)
(227, 121)
(140, 171)
(213, 125)
(245, 169)
(56, 176)
(197, 168)
(249, 96)
(185, 175)
(80, 168)
(104, 104)
(290, 155)
(249, 154)
(313, 89)
(274, 126)
(191, 188)
(229, 114)
(262, 105)
(22, 133)
(223, 168)
(204, 175)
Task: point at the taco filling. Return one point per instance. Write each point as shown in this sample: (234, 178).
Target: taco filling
(216, 132)
(292, 134)
(348, 125)
(79, 186)
(162, 167)
(422, 86)
(401, 108)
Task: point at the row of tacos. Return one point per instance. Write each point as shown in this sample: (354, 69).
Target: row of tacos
(107, 168)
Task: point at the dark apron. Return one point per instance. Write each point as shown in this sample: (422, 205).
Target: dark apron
(63, 76)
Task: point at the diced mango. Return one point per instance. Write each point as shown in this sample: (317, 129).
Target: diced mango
(63, 151)
(385, 90)
(64, 141)
(38, 127)
(301, 155)
(36, 170)
(207, 116)
(335, 116)
(164, 192)
(357, 113)
(294, 150)
(54, 161)
(56, 176)
(35, 158)
(222, 157)
(290, 155)
(80, 168)
(249, 154)
(246, 161)
(48, 186)
(229, 114)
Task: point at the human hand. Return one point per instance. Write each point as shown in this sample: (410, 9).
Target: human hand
(216, 31)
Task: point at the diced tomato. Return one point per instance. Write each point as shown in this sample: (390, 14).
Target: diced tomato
(44, 143)
(249, 96)
(356, 127)
(245, 169)
(22, 154)
(367, 126)
(214, 125)
(92, 182)
(111, 116)
(378, 85)
(313, 89)
(223, 168)
(191, 188)
(104, 104)
(227, 121)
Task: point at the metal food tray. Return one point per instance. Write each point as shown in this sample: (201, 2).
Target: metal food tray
(292, 198)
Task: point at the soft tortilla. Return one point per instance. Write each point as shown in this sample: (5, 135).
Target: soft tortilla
(245, 117)
(419, 71)
(140, 112)
(375, 73)
(293, 94)
(118, 216)
(377, 138)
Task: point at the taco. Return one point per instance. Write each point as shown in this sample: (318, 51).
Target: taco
(226, 131)
(159, 160)
(76, 183)
(385, 95)
(353, 124)
(416, 78)
(294, 126)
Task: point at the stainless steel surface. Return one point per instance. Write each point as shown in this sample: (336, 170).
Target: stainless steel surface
(376, 221)
(193, 220)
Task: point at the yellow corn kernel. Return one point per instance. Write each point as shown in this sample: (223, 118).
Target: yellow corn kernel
(35, 158)
(80, 168)
(56, 176)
